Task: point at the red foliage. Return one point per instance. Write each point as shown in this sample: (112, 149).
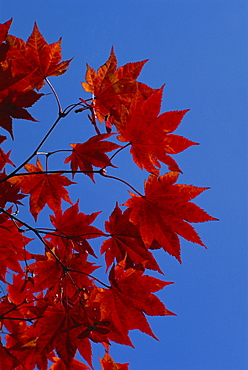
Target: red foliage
(54, 305)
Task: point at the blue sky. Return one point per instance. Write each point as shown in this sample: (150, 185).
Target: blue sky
(199, 49)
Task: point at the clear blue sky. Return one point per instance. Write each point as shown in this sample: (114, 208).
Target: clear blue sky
(199, 49)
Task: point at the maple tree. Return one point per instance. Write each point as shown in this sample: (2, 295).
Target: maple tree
(53, 305)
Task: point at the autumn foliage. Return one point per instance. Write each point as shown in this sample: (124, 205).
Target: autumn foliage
(53, 305)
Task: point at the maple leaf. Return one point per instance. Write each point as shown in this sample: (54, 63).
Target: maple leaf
(43, 188)
(166, 211)
(98, 330)
(50, 269)
(54, 330)
(91, 153)
(112, 86)
(129, 298)
(107, 363)
(150, 135)
(75, 226)
(44, 271)
(15, 94)
(13, 107)
(38, 56)
(126, 242)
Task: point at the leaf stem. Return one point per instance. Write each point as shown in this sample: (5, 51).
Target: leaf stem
(117, 151)
(56, 97)
(103, 173)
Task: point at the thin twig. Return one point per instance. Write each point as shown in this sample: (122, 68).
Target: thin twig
(34, 153)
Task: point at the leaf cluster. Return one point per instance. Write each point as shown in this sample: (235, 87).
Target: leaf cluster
(53, 305)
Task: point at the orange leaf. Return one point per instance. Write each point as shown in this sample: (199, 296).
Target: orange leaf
(46, 58)
(38, 56)
(112, 86)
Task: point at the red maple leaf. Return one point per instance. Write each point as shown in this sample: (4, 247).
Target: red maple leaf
(43, 188)
(165, 212)
(74, 228)
(68, 272)
(37, 56)
(55, 330)
(32, 345)
(126, 242)
(129, 298)
(15, 94)
(150, 135)
(111, 86)
(13, 106)
(91, 153)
